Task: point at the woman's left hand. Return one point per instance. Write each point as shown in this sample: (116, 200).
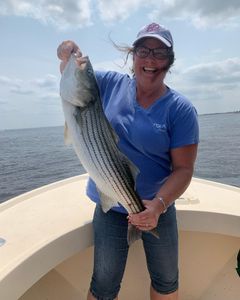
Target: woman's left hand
(147, 219)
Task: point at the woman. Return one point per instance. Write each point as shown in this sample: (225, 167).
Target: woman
(158, 131)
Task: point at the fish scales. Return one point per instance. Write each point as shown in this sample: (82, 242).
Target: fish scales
(92, 141)
(116, 165)
(106, 157)
(97, 152)
(126, 181)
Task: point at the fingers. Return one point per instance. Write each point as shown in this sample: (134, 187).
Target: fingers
(66, 48)
(145, 227)
(141, 221)
(138, 219)
(145, 220)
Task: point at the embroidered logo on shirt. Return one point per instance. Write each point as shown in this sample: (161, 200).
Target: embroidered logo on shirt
(160, 127)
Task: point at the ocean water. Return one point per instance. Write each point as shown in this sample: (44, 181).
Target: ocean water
(31, 158)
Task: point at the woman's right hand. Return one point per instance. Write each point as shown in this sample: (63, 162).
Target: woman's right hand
(64, 51)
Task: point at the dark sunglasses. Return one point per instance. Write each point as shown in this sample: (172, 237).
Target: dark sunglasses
(158, 53)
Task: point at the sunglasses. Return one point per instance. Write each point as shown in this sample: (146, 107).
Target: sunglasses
(158, 53)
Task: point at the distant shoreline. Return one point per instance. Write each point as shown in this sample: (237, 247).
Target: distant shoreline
(221, 113)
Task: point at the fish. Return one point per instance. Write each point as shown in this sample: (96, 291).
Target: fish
(96, 142)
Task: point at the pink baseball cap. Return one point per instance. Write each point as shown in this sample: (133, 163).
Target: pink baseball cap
(157, 31)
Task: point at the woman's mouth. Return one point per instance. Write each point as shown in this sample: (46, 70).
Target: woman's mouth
(149, 70)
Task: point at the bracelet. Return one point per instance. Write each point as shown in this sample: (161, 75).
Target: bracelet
(163, 203)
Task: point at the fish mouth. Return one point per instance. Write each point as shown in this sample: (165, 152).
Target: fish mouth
(81, 61)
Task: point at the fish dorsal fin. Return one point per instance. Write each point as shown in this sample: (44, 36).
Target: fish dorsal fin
(67, 136)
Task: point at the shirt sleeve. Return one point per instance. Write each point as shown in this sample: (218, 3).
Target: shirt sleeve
(184, 129)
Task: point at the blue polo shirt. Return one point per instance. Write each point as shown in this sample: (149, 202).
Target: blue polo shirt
(146, 136)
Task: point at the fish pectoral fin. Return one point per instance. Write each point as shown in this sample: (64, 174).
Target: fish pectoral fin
(67, 136)
(107, 202)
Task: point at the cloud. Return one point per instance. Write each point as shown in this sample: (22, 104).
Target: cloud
(19, 90)
(202, 13)
(49, 82)
(13, 85)
(112, 11)
(4, 80)
(51, 96)
(61, 13)
(218, 73)
(214, 83)
(46, 87)
(81, 13)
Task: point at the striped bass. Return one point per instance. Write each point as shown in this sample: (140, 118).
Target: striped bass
(95, 141)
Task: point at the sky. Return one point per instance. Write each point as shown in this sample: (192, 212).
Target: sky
(206, 37)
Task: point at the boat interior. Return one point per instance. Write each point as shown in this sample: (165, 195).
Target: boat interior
(46, 244)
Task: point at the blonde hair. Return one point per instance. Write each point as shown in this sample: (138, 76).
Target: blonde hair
(127, 50)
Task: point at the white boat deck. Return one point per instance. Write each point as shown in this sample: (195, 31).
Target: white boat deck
(44, 227)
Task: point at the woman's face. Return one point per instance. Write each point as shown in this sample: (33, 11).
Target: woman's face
(150, 69)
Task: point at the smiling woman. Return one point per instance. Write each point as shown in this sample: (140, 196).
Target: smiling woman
(150, 70)
(161, 159)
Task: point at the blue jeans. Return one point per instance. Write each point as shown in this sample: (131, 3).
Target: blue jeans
(111, 250)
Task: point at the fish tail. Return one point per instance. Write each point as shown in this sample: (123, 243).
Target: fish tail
(134, 234)
(154, 232)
